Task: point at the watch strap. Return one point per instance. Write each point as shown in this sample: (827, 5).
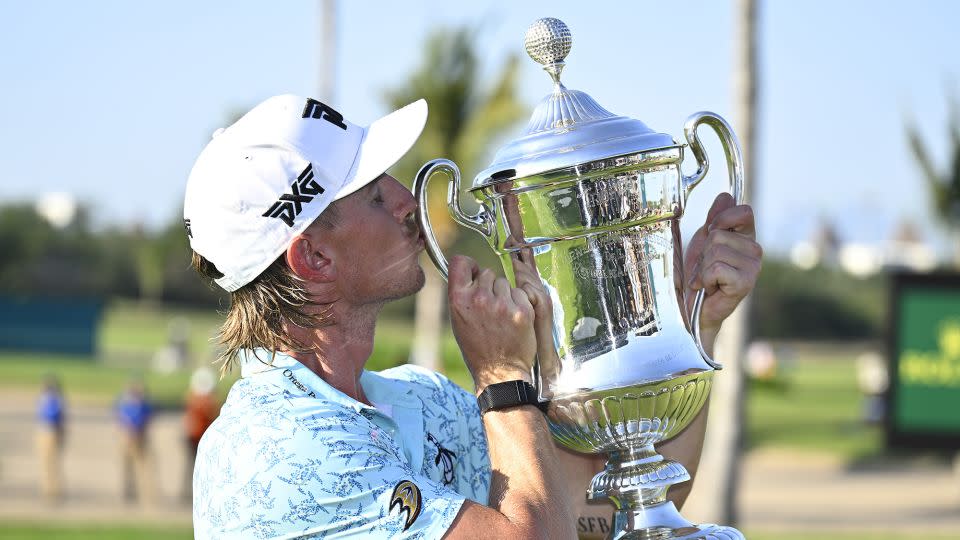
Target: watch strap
(507, 394)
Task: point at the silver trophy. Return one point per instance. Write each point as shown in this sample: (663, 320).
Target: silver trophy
(593, 201)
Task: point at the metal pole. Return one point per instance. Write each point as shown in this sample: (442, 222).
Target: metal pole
(327, 50)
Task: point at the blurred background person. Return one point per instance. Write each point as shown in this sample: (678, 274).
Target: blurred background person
(133, 417)
(201, 409)
(50, 438)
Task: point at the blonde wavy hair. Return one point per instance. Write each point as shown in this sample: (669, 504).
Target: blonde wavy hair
(259, 309)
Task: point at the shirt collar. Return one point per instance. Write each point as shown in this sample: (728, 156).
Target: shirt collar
(378, 388)
(386, 390)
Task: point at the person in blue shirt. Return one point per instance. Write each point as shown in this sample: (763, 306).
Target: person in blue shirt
(51, 422)
(133, 413)
(291, 211)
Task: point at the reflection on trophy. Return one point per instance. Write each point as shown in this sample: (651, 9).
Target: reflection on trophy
(592, 202)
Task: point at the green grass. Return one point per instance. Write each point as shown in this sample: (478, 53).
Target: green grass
(814, 406)
(35, 531)
(130, 335)
(87, 379)
(132, 329)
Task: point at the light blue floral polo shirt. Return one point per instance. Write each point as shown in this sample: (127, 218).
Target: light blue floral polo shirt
(292, 457)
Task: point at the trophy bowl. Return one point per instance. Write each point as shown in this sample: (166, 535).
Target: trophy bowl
(592, 202)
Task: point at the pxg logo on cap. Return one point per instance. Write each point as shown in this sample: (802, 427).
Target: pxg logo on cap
(303, 190)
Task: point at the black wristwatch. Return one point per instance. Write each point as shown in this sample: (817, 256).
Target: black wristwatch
(508, 394)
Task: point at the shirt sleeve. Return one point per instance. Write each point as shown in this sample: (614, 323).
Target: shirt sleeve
(330, 475)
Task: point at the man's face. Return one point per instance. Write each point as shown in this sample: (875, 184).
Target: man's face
(376, 243)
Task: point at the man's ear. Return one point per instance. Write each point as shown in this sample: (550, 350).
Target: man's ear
(308, 259)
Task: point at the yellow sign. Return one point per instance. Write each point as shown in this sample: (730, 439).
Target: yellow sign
(935, 368)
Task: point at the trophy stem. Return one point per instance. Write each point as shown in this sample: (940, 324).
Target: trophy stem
(636, 477)
(636, 481)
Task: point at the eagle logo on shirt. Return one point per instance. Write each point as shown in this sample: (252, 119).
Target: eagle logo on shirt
(406, 496)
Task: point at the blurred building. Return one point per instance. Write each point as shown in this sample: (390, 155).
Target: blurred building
(823, 247)
(905, 250)
(908, 250)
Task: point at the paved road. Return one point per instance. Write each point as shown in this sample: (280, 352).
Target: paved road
(782, 491)
(789, 491)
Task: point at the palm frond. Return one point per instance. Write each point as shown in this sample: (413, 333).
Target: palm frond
(466, 115)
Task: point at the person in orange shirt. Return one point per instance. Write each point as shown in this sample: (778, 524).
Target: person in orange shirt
(201, 409)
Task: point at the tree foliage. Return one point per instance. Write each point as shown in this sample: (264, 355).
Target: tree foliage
(38, 259)
(820, 304)
(944, 183)
(467, 114)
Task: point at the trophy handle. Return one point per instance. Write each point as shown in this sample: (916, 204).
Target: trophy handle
(731, 149)
(481, 222)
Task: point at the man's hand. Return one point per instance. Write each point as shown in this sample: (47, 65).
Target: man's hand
(723, 258)
(493, 324)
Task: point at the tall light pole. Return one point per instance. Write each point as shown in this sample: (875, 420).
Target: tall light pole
(327, 53)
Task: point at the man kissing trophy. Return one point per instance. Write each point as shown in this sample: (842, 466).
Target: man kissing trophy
(592, 202)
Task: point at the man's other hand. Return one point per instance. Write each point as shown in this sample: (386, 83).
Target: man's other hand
(723, 258)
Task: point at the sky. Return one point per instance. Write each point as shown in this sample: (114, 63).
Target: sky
(113, 101)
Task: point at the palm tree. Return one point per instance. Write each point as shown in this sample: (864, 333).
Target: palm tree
(466, 115)
(944, 184)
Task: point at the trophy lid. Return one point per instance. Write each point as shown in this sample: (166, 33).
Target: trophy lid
(568, 127)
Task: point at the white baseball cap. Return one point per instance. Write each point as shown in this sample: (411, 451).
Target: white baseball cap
(260, 182)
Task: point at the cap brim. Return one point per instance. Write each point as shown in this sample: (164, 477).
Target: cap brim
(384, 143)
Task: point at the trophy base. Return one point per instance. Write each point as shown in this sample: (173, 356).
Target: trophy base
(663, 522)
(636, 482)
